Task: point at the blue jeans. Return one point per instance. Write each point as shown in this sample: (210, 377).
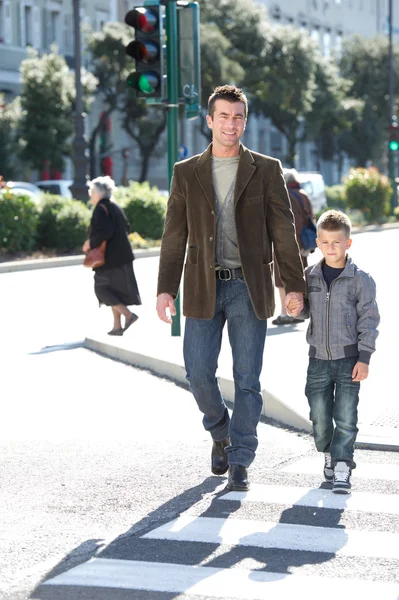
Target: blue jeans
(202, 342)
(333, 398)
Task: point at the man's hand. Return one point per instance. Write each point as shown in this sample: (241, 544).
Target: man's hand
(164, 302)
(294, 303)
(360, 371)
(86, 246)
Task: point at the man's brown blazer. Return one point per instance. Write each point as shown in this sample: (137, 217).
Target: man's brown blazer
(264, 220)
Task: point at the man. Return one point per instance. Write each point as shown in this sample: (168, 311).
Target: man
(228, 206)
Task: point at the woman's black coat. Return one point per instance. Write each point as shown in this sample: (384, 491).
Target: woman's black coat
(111, 225)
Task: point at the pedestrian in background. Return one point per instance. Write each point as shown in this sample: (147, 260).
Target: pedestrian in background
(302, 209)
(341, 303)
(114, 282)
(231, 206)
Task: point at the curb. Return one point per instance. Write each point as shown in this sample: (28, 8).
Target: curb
(273, 408)
(61, 261)
(372, 438)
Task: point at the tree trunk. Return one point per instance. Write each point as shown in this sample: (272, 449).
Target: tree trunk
(291, 152)
(93, 158)
(145, 163)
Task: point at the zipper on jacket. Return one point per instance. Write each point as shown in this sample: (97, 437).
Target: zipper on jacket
(328, 326)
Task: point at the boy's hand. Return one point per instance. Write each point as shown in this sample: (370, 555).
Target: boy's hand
(360, 372)
(294, 303)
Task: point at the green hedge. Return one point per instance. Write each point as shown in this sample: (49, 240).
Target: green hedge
(145, 208)
(336, 197)
(63, 223)
(370, 192)
(18, 222)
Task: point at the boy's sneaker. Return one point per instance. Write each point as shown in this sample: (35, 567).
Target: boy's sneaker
(342, 479)
(328, 470)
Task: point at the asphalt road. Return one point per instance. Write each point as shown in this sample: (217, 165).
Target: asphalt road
(101, 462)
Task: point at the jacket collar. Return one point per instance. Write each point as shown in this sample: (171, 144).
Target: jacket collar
(349, 270)
(203, 170)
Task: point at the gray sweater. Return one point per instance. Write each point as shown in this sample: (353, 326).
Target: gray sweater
(344, 320)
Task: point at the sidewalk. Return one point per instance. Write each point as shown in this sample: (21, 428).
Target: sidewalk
(149, 344)
(282, 381)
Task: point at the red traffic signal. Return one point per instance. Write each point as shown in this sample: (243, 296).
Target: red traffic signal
(143, 19)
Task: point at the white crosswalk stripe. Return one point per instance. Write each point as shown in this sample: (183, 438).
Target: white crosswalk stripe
(375, 545)
(318, 498)
(220, 583)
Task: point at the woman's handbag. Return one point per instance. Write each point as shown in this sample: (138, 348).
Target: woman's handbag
(96, 256)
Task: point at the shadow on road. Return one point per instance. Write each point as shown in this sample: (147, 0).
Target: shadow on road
(272, 551)
(58, 348)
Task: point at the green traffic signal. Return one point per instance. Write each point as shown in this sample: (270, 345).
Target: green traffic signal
(147, 83)
(394, 145)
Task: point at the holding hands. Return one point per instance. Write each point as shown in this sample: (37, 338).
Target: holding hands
(294, 303)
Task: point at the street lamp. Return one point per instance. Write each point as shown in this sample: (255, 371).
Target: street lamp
(79, 144)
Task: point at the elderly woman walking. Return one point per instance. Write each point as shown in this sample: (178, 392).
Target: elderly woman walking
(114, 282)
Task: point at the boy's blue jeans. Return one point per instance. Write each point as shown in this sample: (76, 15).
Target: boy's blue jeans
(333, 398)
(202, 342)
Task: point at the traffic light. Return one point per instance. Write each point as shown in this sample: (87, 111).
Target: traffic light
(147, 51)
(394, 136)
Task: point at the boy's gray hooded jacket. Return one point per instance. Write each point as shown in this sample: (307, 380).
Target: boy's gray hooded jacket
(344, 319)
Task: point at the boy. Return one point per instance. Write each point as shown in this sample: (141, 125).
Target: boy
(341, 302)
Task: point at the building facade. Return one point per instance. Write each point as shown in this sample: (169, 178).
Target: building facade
(41, 23)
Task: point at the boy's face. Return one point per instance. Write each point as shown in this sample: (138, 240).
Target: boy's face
(333, 245)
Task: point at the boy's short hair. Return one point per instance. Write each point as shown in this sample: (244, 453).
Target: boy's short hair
(231, 93)
(335, 220)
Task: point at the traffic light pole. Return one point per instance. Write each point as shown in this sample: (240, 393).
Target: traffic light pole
(173, 111)
(391, 152)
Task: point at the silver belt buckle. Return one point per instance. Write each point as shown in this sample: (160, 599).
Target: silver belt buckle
(228, 271)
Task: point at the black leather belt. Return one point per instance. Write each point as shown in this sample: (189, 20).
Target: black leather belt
(227, 274)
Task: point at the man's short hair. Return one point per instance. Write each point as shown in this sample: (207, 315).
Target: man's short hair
(231, 93)
(335, 220)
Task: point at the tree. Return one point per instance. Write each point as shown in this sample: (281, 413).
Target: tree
(333, 110)
(145, 126)
(47, 103)
(10, 116)
(242, 23)
(365, 63)
(111, 65)
(216, 66)
(283, 81)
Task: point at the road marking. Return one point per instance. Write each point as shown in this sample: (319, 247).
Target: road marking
(267, 534)
(318, 498)
(219, 583)
(314, 465)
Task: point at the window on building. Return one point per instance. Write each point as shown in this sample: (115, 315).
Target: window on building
(2, 19)
(327, 44)
(28, 25)
(338, 44)
(55, 27)
(315, 34)
(102, 18)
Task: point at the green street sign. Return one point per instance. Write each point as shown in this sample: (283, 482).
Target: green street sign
(189, 58)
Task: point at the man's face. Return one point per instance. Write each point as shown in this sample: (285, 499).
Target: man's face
(227, 125)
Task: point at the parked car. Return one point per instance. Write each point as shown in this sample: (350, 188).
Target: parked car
(59, 187)
(25, 189)
(314, 186)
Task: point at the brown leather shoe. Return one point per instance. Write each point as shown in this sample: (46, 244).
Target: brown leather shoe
(219, 463)
(238, 479)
